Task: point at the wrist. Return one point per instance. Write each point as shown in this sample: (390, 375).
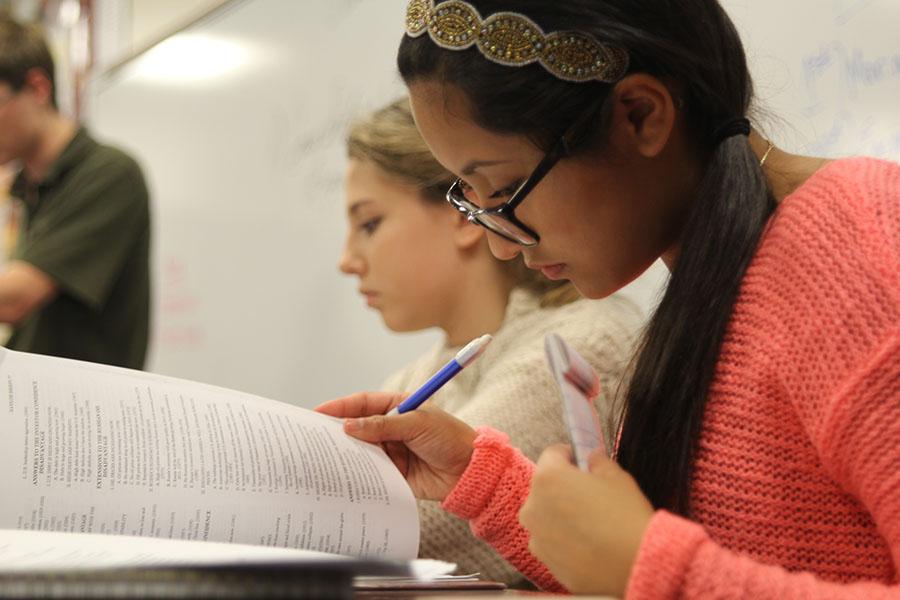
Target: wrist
(458, 462)
(488, 461)
(668, 545)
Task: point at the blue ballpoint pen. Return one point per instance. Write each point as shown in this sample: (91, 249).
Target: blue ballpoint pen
(463, 359)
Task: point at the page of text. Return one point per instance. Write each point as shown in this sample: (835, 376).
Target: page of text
(96, 449)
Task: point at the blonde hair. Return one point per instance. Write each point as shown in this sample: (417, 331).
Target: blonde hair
(389, 139)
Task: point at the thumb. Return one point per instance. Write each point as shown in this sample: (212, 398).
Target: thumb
(600, 464)
(556, 455)
(382, 428)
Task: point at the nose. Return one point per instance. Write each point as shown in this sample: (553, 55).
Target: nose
(350, 263)
(501, 247)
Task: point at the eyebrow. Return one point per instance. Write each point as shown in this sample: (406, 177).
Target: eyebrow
(477, 164)
(354, 208)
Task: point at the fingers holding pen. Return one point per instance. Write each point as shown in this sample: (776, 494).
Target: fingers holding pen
(407, 427)
(383, 428)
(360, 404)
(365, 417)
(431, 447)
(428, 431)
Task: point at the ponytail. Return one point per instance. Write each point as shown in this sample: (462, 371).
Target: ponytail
(678, 356)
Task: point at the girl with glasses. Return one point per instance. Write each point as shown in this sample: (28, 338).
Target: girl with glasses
(759, 455)
(421, 264)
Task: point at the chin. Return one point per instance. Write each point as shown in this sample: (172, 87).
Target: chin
(398, 324)
(593, 290)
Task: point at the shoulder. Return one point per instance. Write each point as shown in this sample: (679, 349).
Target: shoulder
(838, 229)
(103, 184)
(103, 171)
(591, 326)
(823, 288)
(417, 370)
(112, 163)
(602, 331)
(849, 206)
(613, 316)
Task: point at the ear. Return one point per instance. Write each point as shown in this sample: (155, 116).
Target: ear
(466, 235)
(643, 115)
(38, 82)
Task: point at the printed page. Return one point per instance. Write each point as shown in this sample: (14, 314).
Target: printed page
(47, 550)
(97, 449)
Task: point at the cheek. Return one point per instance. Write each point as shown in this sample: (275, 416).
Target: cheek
(12, 133)
(414, 285)
(411, 257)
(607, 235)
(562, 216)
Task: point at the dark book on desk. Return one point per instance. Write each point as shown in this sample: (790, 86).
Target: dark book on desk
(59, 565)
(92, 449)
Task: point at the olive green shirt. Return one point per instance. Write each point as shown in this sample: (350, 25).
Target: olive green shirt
(88, 228)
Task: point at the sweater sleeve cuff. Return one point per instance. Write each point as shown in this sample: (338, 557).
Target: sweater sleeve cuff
(666, 551)
(474, 490)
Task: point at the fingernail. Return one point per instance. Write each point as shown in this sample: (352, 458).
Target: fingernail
(352, 425)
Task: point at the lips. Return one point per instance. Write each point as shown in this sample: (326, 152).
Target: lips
(554, 271)
(550, 271)
(370, 296)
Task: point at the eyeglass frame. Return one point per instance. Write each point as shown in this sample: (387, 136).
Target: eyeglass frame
(507, 209)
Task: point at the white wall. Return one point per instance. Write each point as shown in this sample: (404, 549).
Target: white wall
(153, 19)
(123, 27)
(827, 73)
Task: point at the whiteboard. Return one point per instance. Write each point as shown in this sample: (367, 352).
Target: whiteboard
(245, 170)
(827, 73)
(245, 165)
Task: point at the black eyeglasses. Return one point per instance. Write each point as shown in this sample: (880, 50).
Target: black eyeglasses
(502, 219)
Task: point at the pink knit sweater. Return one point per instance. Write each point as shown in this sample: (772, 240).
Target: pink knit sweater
(796, 488)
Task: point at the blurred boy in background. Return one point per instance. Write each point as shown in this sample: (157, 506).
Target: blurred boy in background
(78, 283)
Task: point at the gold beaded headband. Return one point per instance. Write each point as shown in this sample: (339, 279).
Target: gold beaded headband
(514, 40)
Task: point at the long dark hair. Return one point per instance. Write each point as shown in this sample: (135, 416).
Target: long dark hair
(693, 46)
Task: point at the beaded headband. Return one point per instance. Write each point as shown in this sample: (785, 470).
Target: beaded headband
(514, 40)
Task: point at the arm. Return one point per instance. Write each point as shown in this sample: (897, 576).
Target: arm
(82, 244)
(23, 290)
(490, 494)
(516, 394)
(578, 521)
(858, 435)
(442, 535)
(831, 265)
(589, 530)
(436, 453)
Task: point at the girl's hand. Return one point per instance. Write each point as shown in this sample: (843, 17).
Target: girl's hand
(586, 527)
(430, 447)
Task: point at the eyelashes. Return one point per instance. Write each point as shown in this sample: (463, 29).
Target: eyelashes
(371, 225)
(507, 191)
(501, 193)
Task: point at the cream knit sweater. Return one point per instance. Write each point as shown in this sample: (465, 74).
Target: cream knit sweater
(511, 389)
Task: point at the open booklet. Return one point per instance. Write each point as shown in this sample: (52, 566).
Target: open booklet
(95, 449)
(36, 551)
(41, 564)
